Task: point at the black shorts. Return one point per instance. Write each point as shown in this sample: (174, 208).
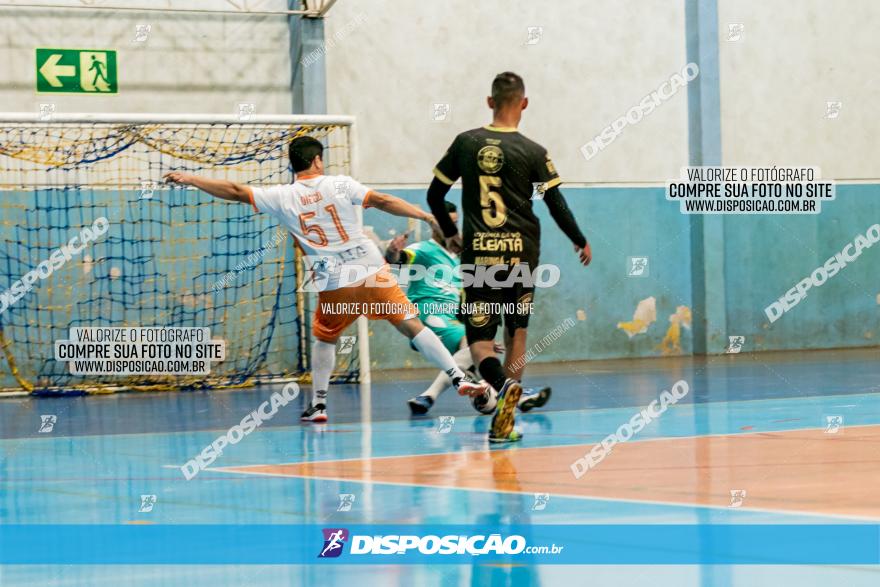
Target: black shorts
(483, 307)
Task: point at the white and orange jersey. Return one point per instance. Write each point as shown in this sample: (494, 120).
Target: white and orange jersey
(321, 212)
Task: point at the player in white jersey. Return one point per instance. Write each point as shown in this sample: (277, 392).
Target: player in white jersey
(349, 272)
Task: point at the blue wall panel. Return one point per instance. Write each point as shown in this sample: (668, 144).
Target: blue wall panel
(767, 255)
(620, 223)
(763, 256)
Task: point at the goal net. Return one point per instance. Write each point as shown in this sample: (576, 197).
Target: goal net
(168, 256)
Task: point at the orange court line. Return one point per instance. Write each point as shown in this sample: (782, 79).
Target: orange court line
(805, 471)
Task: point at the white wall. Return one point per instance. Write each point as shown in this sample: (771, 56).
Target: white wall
(597, 59)
(775, 82)
(191, 62)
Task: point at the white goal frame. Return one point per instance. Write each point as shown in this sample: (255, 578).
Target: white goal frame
(344, 121)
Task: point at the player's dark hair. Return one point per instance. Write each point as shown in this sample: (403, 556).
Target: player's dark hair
(507, 87)
(450, 207)
(303, 151)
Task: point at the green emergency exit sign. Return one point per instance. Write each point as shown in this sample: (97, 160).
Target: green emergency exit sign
(80, 71)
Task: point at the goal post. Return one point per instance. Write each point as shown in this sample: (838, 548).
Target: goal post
(91, 237)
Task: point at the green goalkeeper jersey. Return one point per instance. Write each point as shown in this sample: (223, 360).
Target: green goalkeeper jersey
(440, 287)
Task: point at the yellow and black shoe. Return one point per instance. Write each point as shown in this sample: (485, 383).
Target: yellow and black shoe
(502, 422)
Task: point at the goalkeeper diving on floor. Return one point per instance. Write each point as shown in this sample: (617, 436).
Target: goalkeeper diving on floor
(437, 295)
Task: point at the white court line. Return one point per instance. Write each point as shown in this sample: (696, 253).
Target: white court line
(517, 448)
(673, 504)
(230, 470)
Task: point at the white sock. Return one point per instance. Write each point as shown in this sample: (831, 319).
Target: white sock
(428, 343)
(323, 361)
(464, 361)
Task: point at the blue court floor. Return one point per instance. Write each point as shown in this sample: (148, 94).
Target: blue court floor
(105, 452)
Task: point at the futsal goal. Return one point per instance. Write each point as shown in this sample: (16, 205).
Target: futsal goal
(169, 257)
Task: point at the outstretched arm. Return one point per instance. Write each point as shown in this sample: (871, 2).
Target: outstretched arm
(219, 188)
(563, 217)
(398, 207)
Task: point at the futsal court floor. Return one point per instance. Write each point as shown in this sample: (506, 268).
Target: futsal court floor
(753, 423)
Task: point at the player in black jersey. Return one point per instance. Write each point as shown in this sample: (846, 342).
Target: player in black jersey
(501, 173)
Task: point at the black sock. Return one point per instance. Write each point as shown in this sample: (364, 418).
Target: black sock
(492, 371)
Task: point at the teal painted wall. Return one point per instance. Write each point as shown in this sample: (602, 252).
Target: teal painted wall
(768, 255)
(620, 223)
(763, 257)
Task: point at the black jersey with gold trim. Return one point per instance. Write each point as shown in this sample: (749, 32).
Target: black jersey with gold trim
(501, 172)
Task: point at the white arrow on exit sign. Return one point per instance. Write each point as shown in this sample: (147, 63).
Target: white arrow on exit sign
(52, 71)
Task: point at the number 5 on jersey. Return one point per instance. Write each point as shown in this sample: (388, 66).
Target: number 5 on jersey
(494, 210)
